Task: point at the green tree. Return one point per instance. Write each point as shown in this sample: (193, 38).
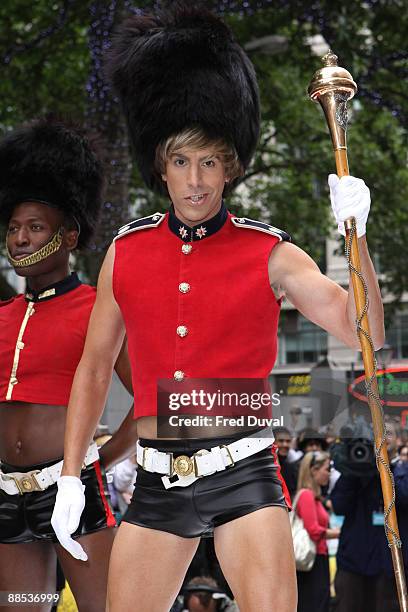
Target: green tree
(52, 56)
(295, 154)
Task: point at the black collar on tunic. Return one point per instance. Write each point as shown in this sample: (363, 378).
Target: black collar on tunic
(47, 293)
(200, 231)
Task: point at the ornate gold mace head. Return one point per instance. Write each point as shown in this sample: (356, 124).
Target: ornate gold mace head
(333, 86)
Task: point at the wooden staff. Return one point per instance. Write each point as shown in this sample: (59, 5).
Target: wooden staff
(332, 87)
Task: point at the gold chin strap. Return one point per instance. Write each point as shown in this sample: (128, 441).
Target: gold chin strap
(48, 249)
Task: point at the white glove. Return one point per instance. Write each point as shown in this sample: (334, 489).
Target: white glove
(350, 197)
(69, 504)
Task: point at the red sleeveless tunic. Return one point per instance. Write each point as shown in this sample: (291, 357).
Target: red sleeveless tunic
(204, 312)
(41, 343)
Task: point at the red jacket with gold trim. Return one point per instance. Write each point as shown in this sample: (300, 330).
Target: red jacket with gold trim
(41, 344)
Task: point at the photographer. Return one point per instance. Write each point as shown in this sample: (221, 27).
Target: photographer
(364, 580)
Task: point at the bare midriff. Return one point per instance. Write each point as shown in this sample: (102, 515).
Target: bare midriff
(31, 433)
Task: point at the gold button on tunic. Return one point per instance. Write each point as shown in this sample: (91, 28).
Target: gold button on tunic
(184, 287)
(182, 331)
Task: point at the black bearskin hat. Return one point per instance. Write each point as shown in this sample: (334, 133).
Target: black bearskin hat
(52, 162)
(178, 69)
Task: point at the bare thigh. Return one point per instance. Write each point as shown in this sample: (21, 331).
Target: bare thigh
(147, 569)
(255, 552)
(28, 568)
(88, 579)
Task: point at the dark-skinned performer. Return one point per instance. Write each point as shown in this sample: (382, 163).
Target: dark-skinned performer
(51, 187)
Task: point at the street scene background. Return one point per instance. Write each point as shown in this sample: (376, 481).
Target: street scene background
(51, 61)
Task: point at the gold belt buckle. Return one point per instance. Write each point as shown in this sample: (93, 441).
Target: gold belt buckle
(27, 483)
(183, 465)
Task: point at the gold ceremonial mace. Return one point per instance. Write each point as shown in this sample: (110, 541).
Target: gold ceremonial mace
(333, 86)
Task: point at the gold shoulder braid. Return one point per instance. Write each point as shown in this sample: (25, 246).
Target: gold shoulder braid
(48, 249)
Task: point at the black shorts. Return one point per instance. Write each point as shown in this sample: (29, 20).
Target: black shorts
(211, 501)
(27, 518)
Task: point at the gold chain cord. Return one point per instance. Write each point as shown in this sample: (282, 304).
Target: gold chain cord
(48, 249)
(370, 391)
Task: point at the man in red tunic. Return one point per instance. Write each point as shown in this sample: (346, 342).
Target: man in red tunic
(50, 193)
(198, 292)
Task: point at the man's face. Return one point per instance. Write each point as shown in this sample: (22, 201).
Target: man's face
(195, 182)
(31, 226)
(283, 442)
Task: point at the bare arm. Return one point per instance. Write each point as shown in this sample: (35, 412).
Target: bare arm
(323, 301)
(332, 533)
(123, 442)
(93, 376)
(122, 368)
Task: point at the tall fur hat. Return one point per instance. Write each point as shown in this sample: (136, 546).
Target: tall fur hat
(180, 68)
(52, 162)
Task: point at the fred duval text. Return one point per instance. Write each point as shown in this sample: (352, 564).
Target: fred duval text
(210, 421)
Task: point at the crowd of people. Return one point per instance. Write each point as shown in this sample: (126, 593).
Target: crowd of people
(327, 488)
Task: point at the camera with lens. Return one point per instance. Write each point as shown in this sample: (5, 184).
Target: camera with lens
(354, 454)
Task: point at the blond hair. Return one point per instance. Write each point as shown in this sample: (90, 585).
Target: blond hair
(196, 138)
(312, 460)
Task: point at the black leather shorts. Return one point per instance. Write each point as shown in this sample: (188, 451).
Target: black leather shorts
(211, 501)
(27, 518)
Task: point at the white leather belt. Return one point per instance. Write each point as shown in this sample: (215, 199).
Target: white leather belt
(182, 471)
(39, 480)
